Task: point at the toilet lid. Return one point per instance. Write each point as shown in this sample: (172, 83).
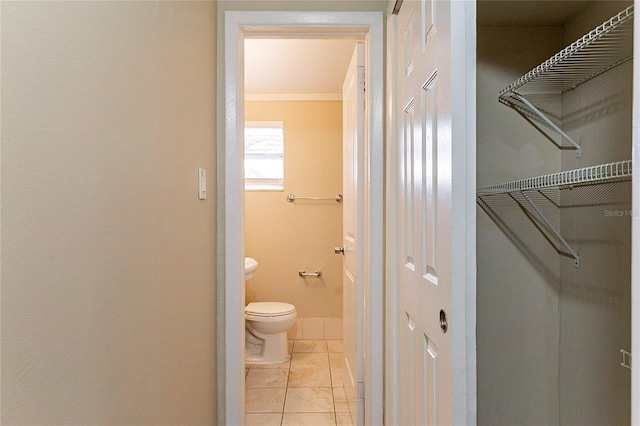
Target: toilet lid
(269, 309)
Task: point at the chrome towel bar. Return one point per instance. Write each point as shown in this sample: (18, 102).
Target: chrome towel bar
(316, 274)
(291, 198)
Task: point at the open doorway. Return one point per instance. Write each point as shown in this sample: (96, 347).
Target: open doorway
(294, 207)
(239, 26)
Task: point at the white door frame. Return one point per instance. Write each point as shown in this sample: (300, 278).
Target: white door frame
(230, 197)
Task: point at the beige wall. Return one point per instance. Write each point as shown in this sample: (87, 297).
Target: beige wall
(287, 237)
(108, 278)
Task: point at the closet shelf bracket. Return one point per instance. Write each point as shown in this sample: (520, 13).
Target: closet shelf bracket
(551, 228)
(547, 120)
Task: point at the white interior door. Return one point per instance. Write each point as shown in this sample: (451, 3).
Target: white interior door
(353, 208)
(425, 212)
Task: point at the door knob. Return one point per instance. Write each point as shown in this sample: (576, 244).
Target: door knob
(338, 250)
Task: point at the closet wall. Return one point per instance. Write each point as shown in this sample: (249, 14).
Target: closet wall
(518, 272)
(549, 334)
(595, 308)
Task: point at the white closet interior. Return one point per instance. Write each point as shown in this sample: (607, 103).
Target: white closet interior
(554, 94)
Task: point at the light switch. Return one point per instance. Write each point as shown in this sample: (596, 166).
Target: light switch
(202, 184)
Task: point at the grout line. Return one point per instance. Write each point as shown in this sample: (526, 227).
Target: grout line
(286, 390)
(327, 353)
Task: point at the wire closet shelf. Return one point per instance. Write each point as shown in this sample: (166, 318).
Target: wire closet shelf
(601, 173)
(602, 49)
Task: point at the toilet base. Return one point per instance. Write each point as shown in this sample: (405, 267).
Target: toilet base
(258, 360)
(274, 349)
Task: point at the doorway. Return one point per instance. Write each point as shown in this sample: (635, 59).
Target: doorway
(239, 26)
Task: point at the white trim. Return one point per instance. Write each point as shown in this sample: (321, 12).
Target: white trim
(635, 232)
(392, 326)
(374, 224)
(230, 209)
(263, 124)
(271, 97)
(463, 188)
(230, 313)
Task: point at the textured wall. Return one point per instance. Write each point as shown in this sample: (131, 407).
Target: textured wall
(108, 277)
(286, 237)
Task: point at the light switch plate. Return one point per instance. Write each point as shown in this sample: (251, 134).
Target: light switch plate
(202, 184)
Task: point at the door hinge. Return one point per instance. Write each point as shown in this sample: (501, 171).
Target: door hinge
(361, 77)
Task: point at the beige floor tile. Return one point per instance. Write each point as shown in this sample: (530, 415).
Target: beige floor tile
(308, 419)
(343, 419)
(310, 346)
(266, 378)
(336, 360)
(290, 346)
(284, 365)
(309, 360)
(309, 400)
(263, 419)
(266, 400)
(338, 376)
(340, 400)
(310, 378)
(335, 345)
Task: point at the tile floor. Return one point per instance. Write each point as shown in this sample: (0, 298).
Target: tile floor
(307, 390)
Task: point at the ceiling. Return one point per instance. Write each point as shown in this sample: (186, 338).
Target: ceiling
(296, 66)
(525, 13)
(317, 66)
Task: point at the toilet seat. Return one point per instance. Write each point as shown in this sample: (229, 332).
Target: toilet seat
(269, 309)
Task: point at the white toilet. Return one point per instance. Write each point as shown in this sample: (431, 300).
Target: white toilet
(266, 325)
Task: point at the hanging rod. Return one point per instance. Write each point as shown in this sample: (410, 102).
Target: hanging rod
(601, 173)
(291, 198)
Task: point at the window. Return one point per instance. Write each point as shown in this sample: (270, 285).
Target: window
(264, 155)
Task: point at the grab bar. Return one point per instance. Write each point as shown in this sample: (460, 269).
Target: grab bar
(291, 198)
(316, 274)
